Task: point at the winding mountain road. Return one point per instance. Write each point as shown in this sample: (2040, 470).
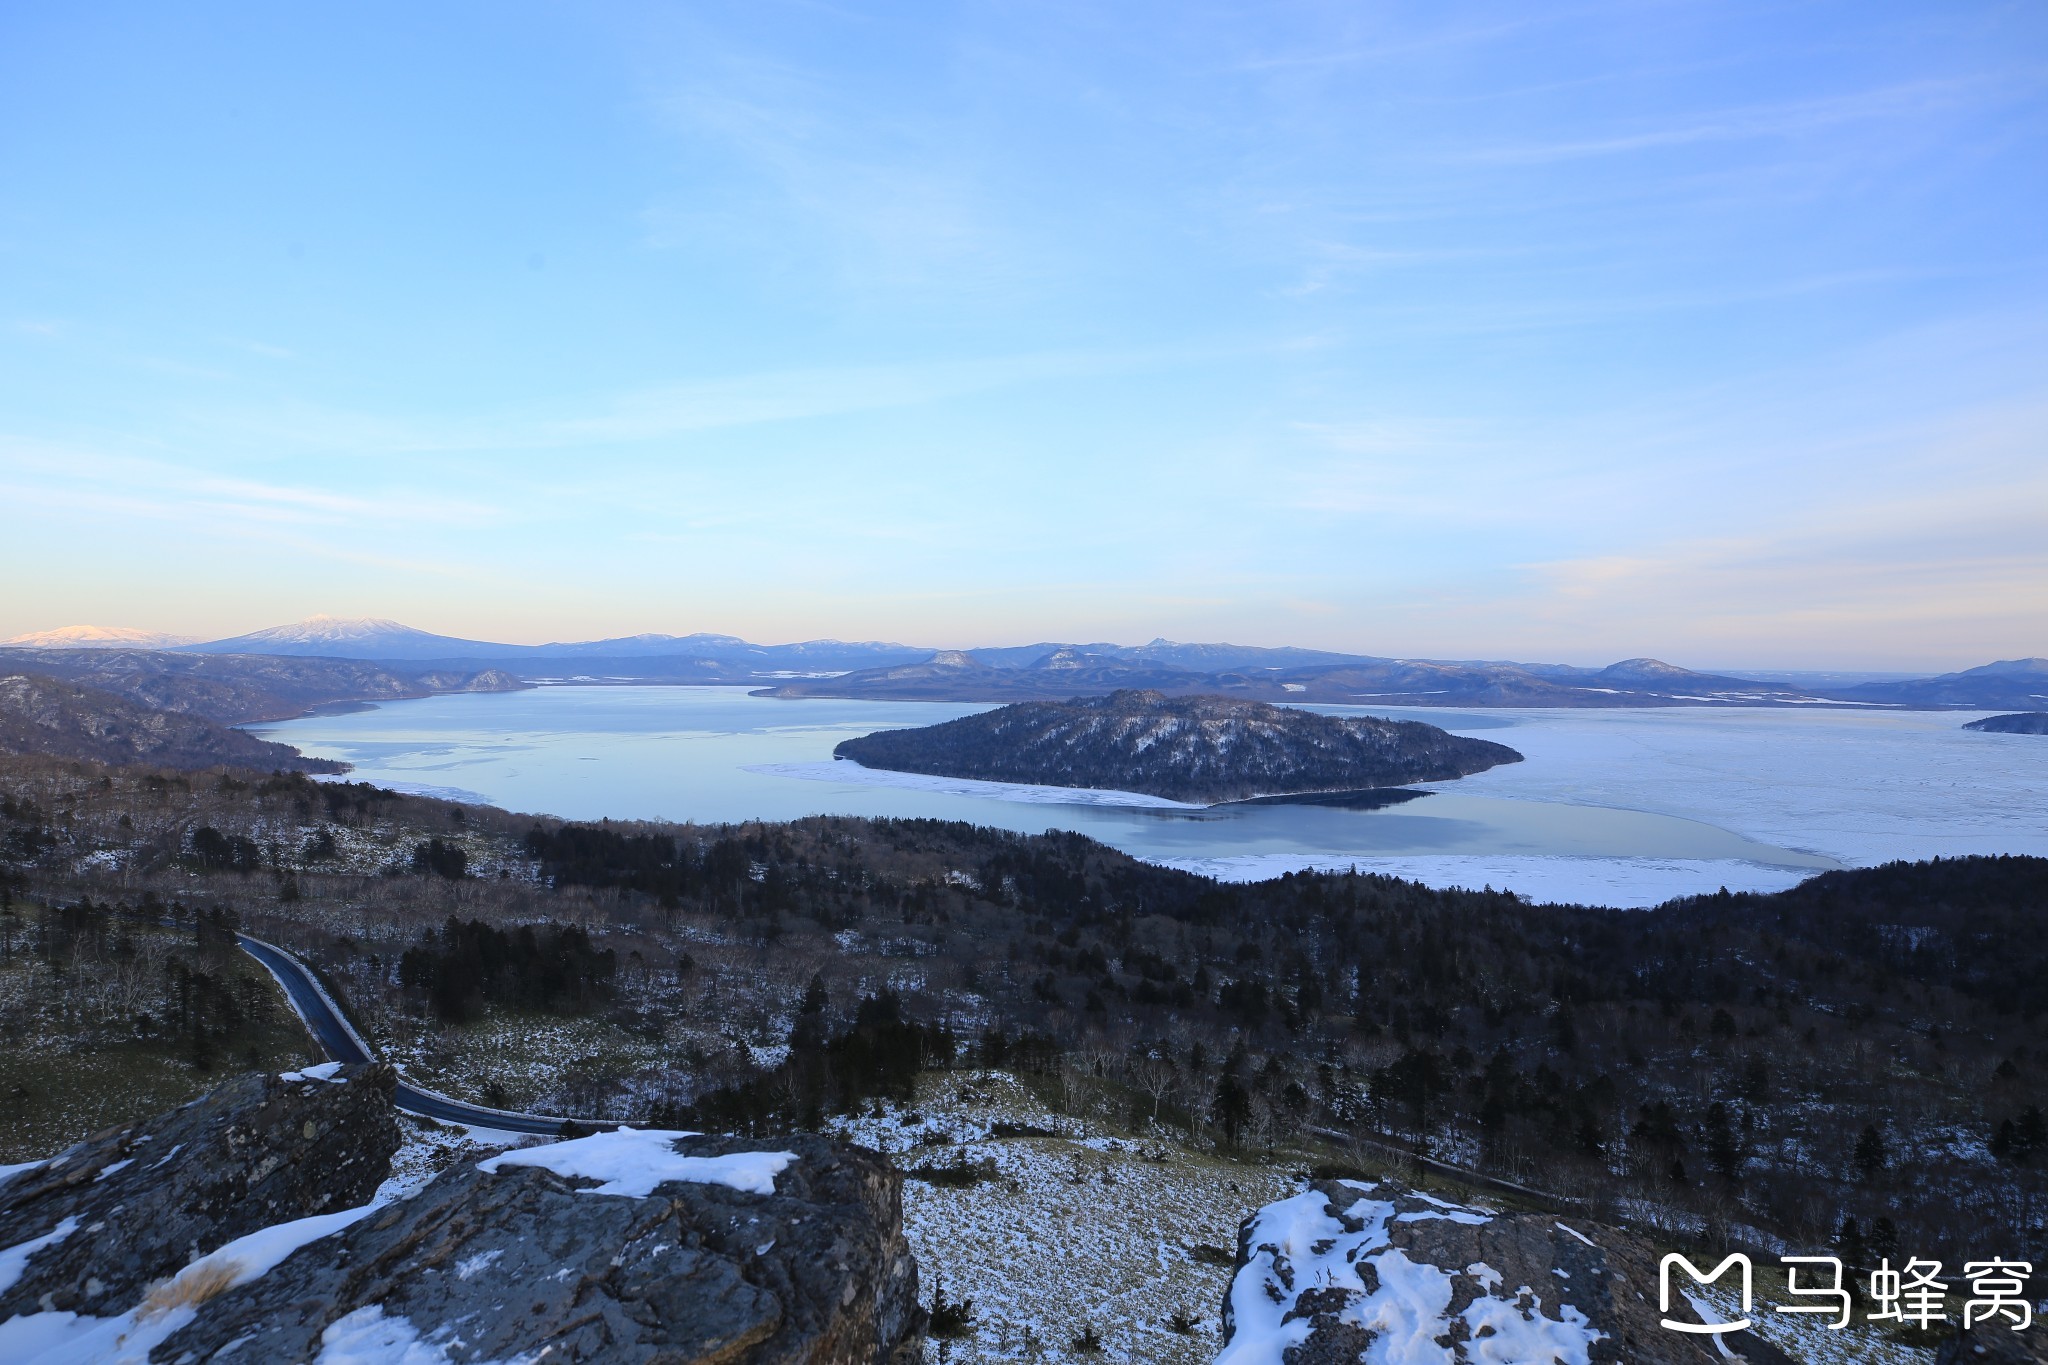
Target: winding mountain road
(341, 1043)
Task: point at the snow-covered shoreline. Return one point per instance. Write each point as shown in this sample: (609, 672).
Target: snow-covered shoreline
(846, 770)
(1625, 883)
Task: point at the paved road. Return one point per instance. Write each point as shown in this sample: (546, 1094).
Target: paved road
(341, 1043)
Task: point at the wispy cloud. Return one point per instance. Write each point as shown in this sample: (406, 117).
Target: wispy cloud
(1395, 45)
(1790, 118)
(694, 405)
(158, 490)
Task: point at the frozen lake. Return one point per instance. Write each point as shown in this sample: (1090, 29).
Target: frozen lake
(1615, 807)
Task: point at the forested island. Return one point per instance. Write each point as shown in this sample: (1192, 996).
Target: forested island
(1197, 749)
(2020, 723)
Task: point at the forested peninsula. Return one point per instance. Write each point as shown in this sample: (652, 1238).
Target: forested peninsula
(2022, 723)
(1196, 749)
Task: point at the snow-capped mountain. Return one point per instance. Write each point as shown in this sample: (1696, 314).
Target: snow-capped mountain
(362, 637)
(391, 641)
(96, 637)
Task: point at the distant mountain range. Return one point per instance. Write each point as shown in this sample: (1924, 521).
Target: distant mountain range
(238, 689)
(2008, 685)
(97, 637)
(1051, 670)
(954, 675)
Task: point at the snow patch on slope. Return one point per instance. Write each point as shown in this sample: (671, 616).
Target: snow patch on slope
(1301, 1245)
(632, 1162)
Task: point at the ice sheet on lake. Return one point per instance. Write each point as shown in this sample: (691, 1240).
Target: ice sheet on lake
(846, 770)
(1860, 787)
(1630, 883)
(460, 795)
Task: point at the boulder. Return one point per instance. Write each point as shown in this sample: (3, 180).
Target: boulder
(134, 1204)
(1325, 1275)
(503, 1259)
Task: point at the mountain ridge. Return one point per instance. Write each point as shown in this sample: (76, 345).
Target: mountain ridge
(891, 670)
(958, 675)
(49, 716)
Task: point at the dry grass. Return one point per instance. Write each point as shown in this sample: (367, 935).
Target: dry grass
(190, 1287)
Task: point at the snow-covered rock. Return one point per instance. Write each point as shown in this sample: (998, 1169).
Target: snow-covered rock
(634, 1247)
(1354, 1270)
(143, 1199)
(257, 1224)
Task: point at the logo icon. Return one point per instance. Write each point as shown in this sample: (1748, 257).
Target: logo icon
(1702, 1277)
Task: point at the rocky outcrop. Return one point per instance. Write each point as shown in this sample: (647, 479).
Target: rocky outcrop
(1325, 1275)
(133, 1205)
(243, 1226)
(494, 1264)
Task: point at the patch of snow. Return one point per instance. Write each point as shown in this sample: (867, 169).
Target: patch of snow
(70, 1339)
(1712, 1319)
(323, 1072)
(491, 1137)
(1298, 1246)
(632, 1162)
(14, 1259)
(8, 1173)
(368, 1337)
(113, 1168)
(57, 1338)
(471, 1266)
(247, 1258)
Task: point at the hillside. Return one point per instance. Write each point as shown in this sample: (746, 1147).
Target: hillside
(1202, 749)
(2022, 723)
(1873, 1044)
(43, 715)
(235, 689)
(2009, 684)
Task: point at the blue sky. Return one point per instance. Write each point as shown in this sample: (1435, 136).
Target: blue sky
(1716, 331)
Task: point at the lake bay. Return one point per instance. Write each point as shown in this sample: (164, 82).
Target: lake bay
(1618, 807)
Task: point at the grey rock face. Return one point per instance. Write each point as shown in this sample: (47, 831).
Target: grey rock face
(1357, 1261)
(495, 1266)
(143, 1200)
(1996, 1343)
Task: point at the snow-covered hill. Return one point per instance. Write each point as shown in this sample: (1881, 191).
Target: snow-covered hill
(96, 637)
(362, 637)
